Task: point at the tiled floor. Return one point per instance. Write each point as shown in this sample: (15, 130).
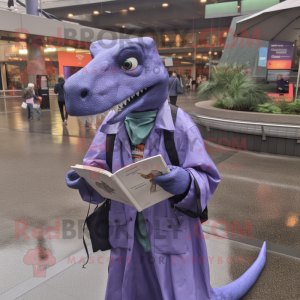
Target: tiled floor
(256, 189)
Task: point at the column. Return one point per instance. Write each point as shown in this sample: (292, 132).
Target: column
(32, 7)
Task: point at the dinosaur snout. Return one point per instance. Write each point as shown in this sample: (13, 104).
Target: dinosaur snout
(85, 96)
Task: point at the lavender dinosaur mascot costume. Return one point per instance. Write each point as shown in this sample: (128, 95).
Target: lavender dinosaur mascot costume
(129, 76)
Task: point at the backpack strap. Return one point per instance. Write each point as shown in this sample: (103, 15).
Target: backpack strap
(169, 139)
(110, 142)
(173, 156)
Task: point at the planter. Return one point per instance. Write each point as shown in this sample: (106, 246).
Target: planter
(261, 132)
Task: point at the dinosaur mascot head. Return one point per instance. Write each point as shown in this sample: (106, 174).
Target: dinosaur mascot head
(128, 76)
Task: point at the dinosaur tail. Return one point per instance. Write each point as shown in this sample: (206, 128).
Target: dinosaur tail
(238, 288)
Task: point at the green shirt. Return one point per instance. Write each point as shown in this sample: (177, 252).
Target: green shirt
(139, 126)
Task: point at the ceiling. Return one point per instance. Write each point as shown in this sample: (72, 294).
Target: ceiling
(148, 16)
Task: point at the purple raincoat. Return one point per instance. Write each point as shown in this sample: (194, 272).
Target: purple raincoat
(178, 267)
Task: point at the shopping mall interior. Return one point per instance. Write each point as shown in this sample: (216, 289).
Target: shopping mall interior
(248, 118)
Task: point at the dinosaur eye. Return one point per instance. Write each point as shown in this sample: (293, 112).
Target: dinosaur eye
(130, 64)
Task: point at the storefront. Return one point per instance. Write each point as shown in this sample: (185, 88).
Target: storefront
(51, 58)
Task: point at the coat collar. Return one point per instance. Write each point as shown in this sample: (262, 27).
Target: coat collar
(163, 121)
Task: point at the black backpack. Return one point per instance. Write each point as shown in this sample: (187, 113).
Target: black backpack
(97, 222)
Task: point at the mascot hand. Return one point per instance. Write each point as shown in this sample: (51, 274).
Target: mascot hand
(176, 182)
(74, 181)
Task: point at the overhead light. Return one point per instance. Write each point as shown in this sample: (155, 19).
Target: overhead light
(180, 57)
(189, 54)
(96, 12)
(209, 52)
(124, 10)
(23, 51)
(239, 6)
(50, 50)
(203, 1)
(173, 54)
(131, 8)
(123, 26)
(165, 5)
(199, 31)
(222, 50)
(70, 49)
(70, 15)
(199, 56)
(108, 12)
(216, 53)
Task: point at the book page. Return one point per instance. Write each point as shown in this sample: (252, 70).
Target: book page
(102, 181)
(138, 178)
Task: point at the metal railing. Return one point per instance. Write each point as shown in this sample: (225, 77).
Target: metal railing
(264, 129)
(5, 92)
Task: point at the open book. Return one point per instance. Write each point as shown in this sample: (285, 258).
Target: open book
(132, 185)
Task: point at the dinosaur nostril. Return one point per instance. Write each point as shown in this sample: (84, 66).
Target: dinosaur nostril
(84, 93)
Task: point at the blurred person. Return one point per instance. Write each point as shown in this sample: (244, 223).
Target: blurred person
(193, 84)
(198, 80)
(59, 89)
(173, 83)
(280, 84)
(11, 5)
(88, 121)
(29, 97)
(178, 76)
(91, 121)
(204, 78)
(184, 82)
(189, 83)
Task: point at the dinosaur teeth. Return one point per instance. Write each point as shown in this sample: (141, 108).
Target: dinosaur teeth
(124, 103)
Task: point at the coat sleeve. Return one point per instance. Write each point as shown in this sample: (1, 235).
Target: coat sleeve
(36, 97)
(96, 157)
(55, 89)
(194, 158)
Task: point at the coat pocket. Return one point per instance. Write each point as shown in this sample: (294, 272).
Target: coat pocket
(169, 236)
(118, 234)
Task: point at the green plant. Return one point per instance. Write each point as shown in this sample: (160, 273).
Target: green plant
(233, 88)
(218, 104)
(268, 108)
(293, 107)
(282, 104)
